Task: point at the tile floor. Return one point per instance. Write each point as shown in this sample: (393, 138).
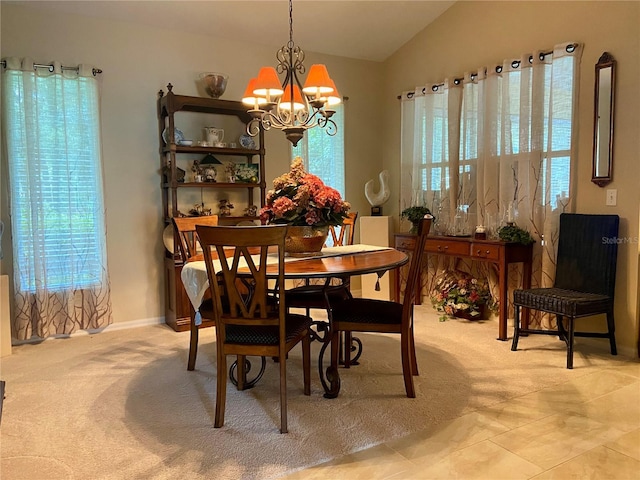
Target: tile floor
(586, 428)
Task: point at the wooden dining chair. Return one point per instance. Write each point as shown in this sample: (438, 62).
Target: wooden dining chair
(383, 316)
(345, 233)
(312, 295)
(250, 322)
(188, 238)
(322, 294)
(189, 246)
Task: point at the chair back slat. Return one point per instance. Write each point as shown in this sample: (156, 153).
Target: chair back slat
(415, 266)
(187, 235)
(344, 234)
(246, 292)
(587, 253)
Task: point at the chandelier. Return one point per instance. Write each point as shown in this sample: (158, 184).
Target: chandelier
(291, 106)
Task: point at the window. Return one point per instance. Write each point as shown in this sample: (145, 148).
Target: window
(496, 146)
(56, 181)
(495, 137)
(323, 154)
(52, 134)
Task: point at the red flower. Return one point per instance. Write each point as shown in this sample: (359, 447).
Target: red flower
(300, 198)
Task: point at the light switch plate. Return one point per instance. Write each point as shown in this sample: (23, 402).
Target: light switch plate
(612, 197)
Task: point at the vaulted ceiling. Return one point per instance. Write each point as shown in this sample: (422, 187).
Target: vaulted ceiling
(362, 29)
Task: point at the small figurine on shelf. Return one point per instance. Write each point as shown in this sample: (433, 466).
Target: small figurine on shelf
(225, 207)
(199, 210)
(210, 173)
(251, 211)
(230, 170)
(166, 172)
(205, 170)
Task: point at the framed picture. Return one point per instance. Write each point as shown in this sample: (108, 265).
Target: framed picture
(247, 173)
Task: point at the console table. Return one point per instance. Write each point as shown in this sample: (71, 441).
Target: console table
(497, 252)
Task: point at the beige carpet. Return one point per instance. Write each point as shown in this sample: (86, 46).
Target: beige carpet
(121, 404)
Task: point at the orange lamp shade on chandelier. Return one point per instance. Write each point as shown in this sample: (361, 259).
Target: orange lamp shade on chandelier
(270, 100)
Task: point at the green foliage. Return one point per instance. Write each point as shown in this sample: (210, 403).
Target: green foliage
(415, 214)
(513, 233)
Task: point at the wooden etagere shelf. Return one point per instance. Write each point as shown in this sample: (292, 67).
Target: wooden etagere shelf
(177, 305)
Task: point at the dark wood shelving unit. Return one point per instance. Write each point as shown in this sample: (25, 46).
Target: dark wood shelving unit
(178, 309)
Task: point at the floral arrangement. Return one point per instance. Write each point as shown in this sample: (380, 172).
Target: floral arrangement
(230, 170)
(299, 198)
(459, 292)
(246, 173)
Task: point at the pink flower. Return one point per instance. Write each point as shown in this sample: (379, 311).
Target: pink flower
(283, 205)
(312, 217)
(300, 198)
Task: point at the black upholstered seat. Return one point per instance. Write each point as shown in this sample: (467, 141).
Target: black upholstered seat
(267, 335)
(584, 284)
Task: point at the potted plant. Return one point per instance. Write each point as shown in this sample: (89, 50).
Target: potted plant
(414, 215)
(458, 294)
(513, 233)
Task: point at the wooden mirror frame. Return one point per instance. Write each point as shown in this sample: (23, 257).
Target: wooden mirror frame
(604, 95)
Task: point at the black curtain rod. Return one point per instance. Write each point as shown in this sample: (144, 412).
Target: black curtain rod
(95, 71)
(515, 64)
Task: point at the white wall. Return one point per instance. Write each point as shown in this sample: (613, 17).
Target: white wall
(137, 62)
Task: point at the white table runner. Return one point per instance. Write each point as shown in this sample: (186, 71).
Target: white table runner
(196, 282)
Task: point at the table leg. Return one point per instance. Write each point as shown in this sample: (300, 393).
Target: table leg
(235, 372)
(526, 284)
(332, 385)
(504, 301)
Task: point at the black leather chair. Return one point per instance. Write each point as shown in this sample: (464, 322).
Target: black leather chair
(584, 283)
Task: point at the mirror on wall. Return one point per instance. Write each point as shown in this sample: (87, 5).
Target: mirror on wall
(603, 120)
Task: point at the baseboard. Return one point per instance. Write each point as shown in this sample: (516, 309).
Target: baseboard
(109, 328)
(132, 324)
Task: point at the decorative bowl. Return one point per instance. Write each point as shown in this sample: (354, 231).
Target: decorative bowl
(214, 83)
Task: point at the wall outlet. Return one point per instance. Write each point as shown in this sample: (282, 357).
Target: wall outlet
(612, 197)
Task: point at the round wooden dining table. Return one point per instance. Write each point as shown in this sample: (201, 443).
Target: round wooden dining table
(334, 262)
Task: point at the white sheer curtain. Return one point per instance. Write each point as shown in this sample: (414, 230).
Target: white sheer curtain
(52, 137)
(323, 154)
(497, 145)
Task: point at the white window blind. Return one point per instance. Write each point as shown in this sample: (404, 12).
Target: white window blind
(52, 133)
(323, 154)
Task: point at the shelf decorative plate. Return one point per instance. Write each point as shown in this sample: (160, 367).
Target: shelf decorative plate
(167, 238)
(177, 134)
(246, 141)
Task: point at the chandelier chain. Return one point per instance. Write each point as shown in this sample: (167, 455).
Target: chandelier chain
(290, 23)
